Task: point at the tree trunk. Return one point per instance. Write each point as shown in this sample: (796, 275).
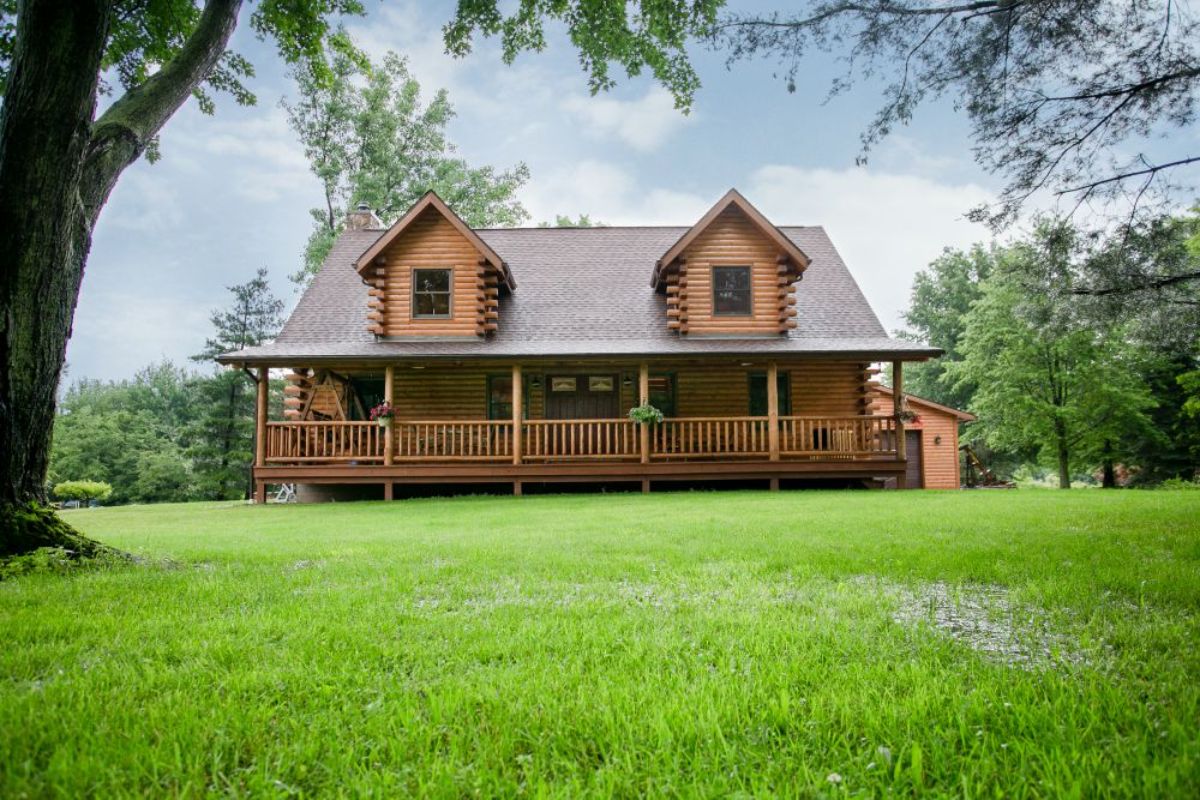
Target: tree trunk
(1110, 470)
(1064, 455)
(44, 236)
(57, 169)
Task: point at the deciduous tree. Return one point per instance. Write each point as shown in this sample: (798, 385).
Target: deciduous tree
(59, 161)
(371, 139)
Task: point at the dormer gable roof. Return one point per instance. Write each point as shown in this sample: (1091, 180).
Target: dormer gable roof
(431, 200)
(732, 198)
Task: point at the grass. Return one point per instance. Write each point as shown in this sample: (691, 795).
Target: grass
(731, 644)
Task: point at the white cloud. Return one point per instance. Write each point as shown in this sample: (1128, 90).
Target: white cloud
(644, 124)
(886, 225)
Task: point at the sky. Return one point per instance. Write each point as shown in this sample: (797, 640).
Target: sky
(232, 191)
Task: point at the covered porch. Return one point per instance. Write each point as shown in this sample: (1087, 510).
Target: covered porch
(548, 422)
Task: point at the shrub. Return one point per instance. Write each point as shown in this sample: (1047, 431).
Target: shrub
(83, 490)
(1179, 483)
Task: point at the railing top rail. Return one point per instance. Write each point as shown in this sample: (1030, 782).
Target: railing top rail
(837, 418)
(291, 422)
(575, 421)
(716, 419)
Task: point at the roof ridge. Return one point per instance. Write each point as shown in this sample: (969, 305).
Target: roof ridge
(614, 227)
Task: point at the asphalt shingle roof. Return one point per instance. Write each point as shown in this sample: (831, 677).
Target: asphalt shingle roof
(581, 292)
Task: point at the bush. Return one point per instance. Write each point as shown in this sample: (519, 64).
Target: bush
(1179, 483)
(83, 491)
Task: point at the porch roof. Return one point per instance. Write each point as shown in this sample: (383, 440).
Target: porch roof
(583, 293)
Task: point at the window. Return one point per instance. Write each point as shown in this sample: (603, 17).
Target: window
(431, 292)
(731, 290)
(500, 397)
(600, 383)
(758, 394)
(662, 392)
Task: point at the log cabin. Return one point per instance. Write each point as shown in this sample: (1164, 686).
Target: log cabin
(514, 355)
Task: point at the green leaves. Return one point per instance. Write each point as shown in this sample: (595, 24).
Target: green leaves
(636, 36)
(371, 138)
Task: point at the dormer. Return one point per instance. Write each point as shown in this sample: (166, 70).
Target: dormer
(431, 275)
(732, 274)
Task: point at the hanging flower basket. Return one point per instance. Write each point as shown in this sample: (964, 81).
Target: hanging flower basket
(645, 415)
(382, 415)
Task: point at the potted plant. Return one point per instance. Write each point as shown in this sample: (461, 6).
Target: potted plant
(906, 413)
(382, 414)
(645, 415)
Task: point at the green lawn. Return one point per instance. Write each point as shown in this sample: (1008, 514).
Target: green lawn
(1028, 643)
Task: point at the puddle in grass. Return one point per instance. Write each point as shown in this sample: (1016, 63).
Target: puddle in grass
(987, 619)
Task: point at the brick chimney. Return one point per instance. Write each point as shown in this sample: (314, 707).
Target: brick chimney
(362, 217)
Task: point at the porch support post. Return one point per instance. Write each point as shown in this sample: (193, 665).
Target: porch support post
(389, 397)
(897, 407)
(773, 410)
(643, 399)
(260, 431)
(517, 413)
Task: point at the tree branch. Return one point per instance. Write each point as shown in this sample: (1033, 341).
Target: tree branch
(1154, 283)
(975, 8)
(1127, 175)
(121, 134)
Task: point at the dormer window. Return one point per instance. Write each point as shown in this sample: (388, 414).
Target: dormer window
(731, 291)
(431, 293)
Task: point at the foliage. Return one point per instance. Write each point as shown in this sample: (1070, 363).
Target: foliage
(1069, 95)
(469, 651)
(370, 139)
(222, 436)
(1178, 484)
(131, 434)
(942, 295)
(1046, 378)
(635, 36)
(565, 221)
(646, 415)
(83, 491)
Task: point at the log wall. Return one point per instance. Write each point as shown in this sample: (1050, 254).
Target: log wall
(731, 240)
(431, 242)
(939, 464)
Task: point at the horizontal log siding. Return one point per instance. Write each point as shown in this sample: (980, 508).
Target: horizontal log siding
(828, 389)
(422, 394)
(431, 242)
(939, 465)
(732, 240)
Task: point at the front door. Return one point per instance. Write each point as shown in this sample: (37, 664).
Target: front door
(582, 397)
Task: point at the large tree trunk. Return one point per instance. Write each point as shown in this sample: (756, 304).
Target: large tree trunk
(1064, 454)
(57, 169)
(45, 127)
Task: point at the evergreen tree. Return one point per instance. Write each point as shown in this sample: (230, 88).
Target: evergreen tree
(222, 440)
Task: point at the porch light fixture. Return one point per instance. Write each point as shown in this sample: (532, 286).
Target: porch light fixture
(627, 380)
(535, 382)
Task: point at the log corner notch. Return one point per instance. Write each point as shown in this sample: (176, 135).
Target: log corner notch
(431, 236)
(732, 233)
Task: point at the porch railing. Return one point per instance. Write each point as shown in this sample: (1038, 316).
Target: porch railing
(603, 439)
(452, 440)
(837, 437)
(710, 437)
(323, 442)
(676, 438)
